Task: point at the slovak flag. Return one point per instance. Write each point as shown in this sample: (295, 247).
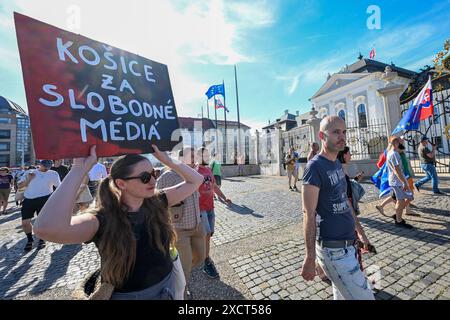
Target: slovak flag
(421, 108)
(219, 105)
(372, 53)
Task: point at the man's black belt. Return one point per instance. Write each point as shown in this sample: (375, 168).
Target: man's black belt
(336, 243)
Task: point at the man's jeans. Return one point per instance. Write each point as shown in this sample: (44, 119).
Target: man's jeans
(431, 174)
(342, 268)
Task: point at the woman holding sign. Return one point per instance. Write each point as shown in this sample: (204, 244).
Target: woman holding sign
(130, 225)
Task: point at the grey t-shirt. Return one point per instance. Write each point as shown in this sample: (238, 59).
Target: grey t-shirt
(334, 216)
(393, 159)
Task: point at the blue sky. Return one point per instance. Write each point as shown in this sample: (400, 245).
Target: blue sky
(283, 49)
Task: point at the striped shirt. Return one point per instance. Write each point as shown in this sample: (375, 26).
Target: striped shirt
(190, 210)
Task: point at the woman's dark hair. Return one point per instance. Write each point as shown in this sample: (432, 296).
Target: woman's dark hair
(342, 153)
(117, 245)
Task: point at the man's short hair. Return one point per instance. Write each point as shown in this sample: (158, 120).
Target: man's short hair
(325, 123)
(46, 163)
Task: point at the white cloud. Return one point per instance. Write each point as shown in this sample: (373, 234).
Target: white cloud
(6, 22)
(293, 81)
(6, 17)
(254, 14)
(293, 85)
(390, 45)
(401, 40)
(313, 72)
(159, 30)
(417, 64)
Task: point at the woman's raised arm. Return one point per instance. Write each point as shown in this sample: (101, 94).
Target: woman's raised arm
(192, 179)
(55, 222)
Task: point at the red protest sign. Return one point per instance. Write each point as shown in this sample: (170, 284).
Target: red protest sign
(82, 92)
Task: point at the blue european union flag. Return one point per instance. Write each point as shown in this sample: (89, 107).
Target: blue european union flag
(381, 180)
(410, 120)
(215, 89)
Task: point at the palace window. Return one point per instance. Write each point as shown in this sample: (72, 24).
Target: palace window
(341, 114)
(362, 116)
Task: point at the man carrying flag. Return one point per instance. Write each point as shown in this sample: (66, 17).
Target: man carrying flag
(421, 108)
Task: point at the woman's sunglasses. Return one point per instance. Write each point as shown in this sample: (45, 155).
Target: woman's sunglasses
(145, 177)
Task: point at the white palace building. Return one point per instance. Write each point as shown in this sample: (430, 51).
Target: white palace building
(353, 95)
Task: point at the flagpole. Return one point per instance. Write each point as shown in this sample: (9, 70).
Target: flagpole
(432, 115)
(237, 104)
(225, 117)
(203, 130)
(217, 128)
(207, 106)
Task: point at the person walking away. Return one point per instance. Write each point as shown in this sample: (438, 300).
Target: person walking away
(207, 190)
(96, 174)
(407, 171)
(39, 186)
(428, 160)
(6, 184)
(130, 224)
(398, 182)
(290, 165)
(329, 222)
(216, 167)
(186, 220)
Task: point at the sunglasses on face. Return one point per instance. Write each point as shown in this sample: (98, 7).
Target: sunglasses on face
(145, 177)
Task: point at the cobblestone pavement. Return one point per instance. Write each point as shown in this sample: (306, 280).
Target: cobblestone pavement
(258, 250)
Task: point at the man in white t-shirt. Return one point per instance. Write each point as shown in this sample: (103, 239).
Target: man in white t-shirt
(96, 174)
(39, 186)
(398, 182)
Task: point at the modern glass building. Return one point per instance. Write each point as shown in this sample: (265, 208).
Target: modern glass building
(16, 146)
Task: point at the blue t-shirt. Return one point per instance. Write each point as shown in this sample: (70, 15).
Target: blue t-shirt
(5, 181)
(334, 217)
